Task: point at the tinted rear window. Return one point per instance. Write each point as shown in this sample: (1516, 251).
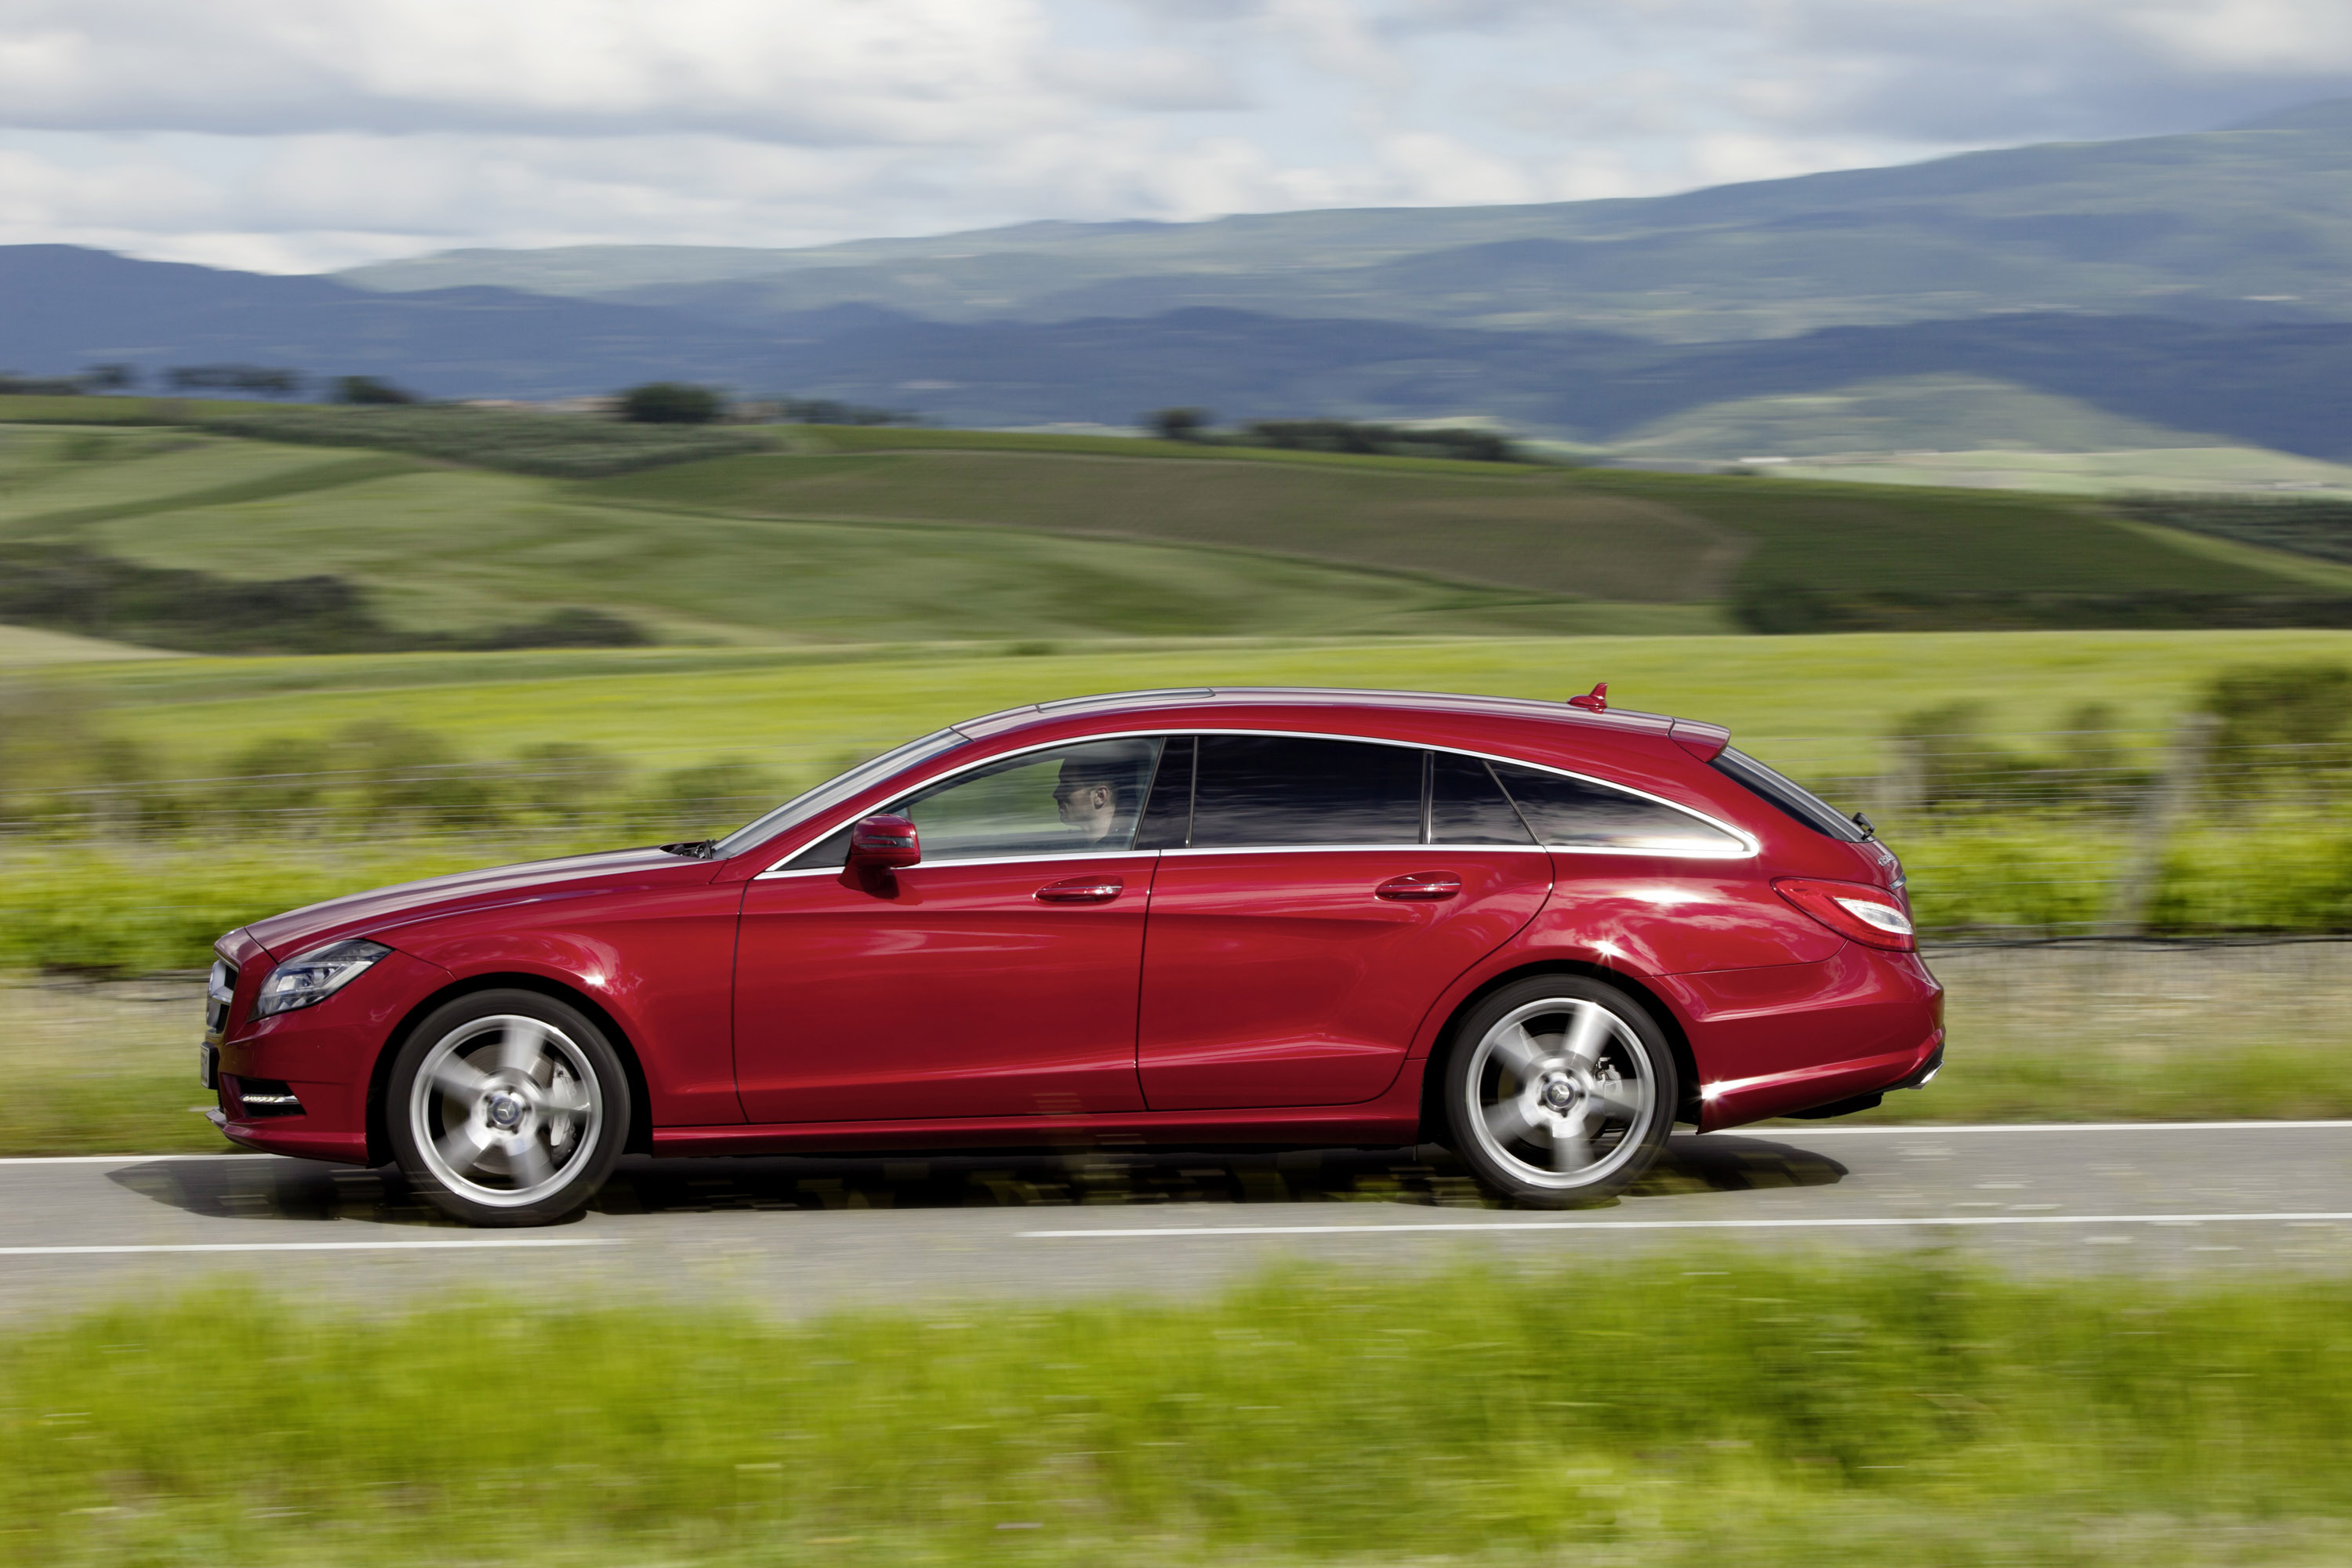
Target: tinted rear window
(1577, 814)
(1269, 790)
(1788, 796)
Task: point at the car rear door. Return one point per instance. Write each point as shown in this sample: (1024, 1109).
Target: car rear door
(1302, 919)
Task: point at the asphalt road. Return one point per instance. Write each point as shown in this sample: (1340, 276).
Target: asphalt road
(801, 1235)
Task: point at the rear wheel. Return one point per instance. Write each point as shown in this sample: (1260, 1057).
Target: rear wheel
(508, 1108)
(1560, 1091)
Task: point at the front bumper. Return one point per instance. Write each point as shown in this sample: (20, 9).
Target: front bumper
(326, 1056)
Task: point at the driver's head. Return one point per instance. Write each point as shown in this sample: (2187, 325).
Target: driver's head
(1088, 796)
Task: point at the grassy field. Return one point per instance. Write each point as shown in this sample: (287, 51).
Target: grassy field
(865, 535)
(1600, 533)
(445, 549)
(1898, 1411)
(1818, 705)
(1493, 523)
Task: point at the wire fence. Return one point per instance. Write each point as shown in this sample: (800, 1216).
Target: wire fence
(2027, 835)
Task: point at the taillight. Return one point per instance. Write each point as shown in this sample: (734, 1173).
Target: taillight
(1855, 910)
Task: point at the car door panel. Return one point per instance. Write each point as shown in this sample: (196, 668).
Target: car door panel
(953, 989)
(1285, 978)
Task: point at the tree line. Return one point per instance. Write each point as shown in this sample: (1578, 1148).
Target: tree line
(1466, 442)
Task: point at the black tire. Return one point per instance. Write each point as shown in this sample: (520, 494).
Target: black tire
(1560, 1091)
(523, 1114)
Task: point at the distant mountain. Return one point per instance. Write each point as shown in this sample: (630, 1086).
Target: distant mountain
(2248, 224)
(2273, 384)
(2285, 386)
(67, 308)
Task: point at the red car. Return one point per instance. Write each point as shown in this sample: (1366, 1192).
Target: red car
(1539, 932)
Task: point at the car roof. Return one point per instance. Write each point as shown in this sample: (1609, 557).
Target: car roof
(1196, 698)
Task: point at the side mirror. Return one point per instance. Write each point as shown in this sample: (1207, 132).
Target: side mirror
(884, 843)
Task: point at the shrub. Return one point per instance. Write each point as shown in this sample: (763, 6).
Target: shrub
(2282, 716)
(70, 588)
(1180, 424)
(567, 779)
(670, 402)
(1460, 442)
(710, 800)
(366, 391)
(1954, 765)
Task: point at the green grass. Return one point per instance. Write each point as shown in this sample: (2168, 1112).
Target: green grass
(1817, 705)
(91, 410)
(1695, 1409)
(105, 1068)
(933, 535)
(1607, 534)
(62, 475)
(458, 549)
(2123, 1033)
(1488, 523)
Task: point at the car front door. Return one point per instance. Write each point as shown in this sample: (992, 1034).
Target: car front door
(996, 977)
(1314, 898)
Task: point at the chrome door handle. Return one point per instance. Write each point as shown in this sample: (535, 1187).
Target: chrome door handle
(1420, 887)
(1081, 890)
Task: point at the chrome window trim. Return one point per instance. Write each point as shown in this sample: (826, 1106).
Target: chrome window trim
(1038, 860)
(1750, 845)
(1367, 849)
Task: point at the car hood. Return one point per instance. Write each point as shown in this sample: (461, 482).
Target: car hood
(383, 909)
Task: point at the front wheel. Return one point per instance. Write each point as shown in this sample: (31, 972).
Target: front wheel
(1560, 1091)
(508, 1108)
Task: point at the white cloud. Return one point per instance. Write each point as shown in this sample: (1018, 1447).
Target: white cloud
(302, 133)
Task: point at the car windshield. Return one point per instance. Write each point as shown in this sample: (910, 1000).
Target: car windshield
(833, 792)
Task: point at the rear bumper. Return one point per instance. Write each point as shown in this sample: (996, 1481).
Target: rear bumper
(1796, 1037)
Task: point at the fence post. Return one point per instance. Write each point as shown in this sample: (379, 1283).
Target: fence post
(2172, 799)
(1902, 788)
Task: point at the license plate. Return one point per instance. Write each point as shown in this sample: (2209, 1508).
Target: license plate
(208, 1066)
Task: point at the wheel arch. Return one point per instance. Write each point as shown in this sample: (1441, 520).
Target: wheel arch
(1433, 1109)
(639, 1139)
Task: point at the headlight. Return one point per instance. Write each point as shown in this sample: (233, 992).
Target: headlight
(310, 978)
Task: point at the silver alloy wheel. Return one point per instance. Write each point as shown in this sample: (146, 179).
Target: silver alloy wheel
(1561, 1092)
(504, 1109)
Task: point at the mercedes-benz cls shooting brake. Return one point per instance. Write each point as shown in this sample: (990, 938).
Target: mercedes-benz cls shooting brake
(1539, 932)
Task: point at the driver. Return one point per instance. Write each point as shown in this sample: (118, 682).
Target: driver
(1092, 797)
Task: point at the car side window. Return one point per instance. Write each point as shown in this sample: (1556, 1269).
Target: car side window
(1467, 807)
(1167, 814)
(1070, 800)
(1253, 791)
(1577, 814)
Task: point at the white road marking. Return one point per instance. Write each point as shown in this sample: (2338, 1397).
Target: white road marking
(126, 1158)
(438, 1245)
(1824, 1223)
(1751, 1129)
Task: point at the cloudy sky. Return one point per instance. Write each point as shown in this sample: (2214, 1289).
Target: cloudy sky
(297, 135)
